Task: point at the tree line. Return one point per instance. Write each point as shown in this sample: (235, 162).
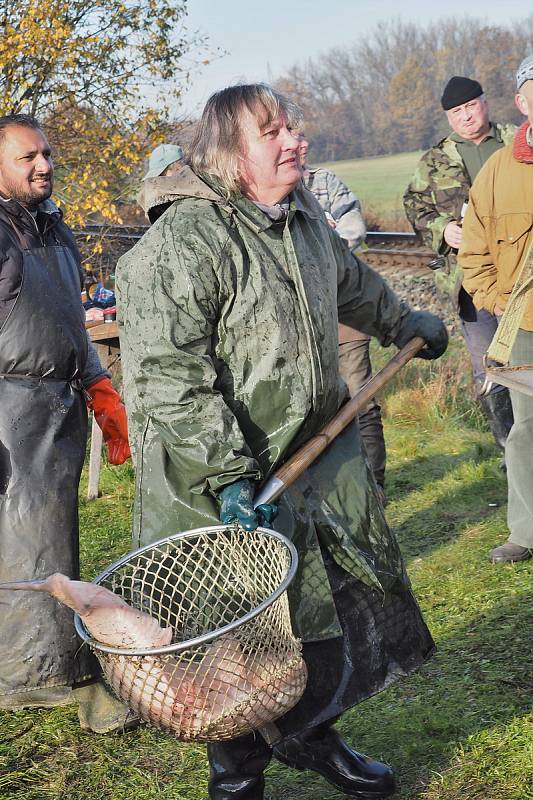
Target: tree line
(105, 79)
(382, 94)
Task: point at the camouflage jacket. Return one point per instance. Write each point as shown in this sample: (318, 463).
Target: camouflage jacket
(439, 188)
(435, 197)
(228, 328)
(336, 199)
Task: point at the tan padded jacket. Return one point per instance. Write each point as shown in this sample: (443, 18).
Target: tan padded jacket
(497, 232)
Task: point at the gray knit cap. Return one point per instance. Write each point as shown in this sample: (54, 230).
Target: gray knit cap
(524, 72)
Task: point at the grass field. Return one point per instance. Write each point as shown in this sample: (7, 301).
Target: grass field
(456, 730)
(379, 182)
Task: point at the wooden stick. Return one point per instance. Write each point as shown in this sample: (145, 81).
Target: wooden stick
(95, 460)
(97, 440)
(298, 463)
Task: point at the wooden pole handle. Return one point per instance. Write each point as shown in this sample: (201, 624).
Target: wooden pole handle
(298, 463)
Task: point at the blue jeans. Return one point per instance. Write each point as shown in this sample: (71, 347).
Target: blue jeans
(478, 328)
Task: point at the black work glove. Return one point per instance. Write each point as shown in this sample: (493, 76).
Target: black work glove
(429, 327)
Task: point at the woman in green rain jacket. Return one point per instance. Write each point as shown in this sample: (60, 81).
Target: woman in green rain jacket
(229, 317)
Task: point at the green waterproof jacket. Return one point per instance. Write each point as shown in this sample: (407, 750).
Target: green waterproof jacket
(435, 197)
(229, 341)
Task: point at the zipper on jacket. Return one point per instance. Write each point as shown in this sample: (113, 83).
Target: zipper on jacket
(34, 221)
(41, 236)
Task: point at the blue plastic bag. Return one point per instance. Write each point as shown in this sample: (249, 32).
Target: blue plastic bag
(102, 297)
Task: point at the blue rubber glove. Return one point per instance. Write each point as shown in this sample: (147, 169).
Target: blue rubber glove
(237, 505)
(429, 327)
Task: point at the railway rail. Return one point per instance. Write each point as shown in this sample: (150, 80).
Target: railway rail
(384, 251)
(393, 251)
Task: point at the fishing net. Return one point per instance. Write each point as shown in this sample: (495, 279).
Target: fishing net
(233, 665)
(519, 378)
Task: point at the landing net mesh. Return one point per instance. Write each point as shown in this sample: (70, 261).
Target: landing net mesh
(239, 681)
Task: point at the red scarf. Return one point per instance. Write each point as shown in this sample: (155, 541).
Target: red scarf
(521, 150)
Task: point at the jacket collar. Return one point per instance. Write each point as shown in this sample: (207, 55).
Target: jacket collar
(163, 191)
(301, 201)
(14, 207)
(48, 214)
(492, 134)
(186, 183)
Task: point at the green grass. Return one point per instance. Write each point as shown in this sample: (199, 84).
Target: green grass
(378, 182)
(456, 730)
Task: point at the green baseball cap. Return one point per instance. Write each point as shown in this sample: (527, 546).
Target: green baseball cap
(162, 157)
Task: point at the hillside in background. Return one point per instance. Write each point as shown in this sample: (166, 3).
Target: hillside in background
(379, 183)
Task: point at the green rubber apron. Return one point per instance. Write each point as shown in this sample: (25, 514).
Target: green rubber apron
(43, 432)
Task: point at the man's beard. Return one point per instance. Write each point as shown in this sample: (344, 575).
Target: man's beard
(28, 199)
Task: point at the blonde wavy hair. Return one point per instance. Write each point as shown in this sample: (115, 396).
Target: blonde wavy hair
(216, 148)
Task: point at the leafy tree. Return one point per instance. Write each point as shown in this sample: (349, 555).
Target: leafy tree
(409, 105)
(85, 69)
(382, 94)
(497, 63)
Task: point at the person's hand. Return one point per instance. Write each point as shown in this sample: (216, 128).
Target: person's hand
(453, 233)
(429, 327)
(110, 414)
(331, 221)
(498, 311)
(237, 505)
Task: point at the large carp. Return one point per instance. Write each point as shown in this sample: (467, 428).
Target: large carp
(222, 691)
(107, 617)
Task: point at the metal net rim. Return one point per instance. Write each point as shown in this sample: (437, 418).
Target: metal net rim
(83, 633)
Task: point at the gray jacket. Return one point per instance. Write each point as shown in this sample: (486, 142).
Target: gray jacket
(339, 202)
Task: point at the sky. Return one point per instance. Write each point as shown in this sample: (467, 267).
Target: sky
(262, 38)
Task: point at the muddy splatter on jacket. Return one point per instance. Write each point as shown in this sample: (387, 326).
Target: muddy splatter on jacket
(435, 197)
(228, 331)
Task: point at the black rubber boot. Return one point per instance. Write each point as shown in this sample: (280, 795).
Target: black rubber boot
(323, 750)
(236, 768)
(498, 411)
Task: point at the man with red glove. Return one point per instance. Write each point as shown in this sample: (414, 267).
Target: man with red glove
(48, 367)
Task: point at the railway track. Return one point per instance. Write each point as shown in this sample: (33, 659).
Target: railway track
(394, 251)
(388, 252)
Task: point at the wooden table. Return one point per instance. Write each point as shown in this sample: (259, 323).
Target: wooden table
(103, 333)
(105, 337)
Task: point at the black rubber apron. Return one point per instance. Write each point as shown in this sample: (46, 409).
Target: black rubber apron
(43, 432)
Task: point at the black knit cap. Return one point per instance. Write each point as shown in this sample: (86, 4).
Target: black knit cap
(459, 90)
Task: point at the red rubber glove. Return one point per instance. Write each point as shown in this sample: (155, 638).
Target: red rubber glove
(110, 414)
